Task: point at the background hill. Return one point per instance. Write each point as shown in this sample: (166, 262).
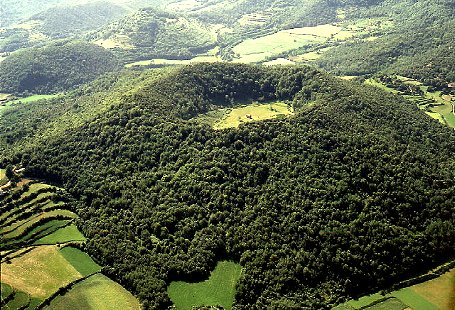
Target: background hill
(66, 21)
(148, 33)
(54, 68)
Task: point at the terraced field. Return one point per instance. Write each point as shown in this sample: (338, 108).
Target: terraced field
(434, 104)
(37, 257)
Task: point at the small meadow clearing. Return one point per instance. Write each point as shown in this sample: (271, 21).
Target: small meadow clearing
(219, 289)
(232, 118)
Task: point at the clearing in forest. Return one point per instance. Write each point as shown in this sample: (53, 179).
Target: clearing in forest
(96, 292)
(219, 289)
(232, 118)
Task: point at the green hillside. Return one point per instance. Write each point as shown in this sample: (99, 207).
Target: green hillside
(356, 185)
(149, 33)
(67, 21)
(54, 68)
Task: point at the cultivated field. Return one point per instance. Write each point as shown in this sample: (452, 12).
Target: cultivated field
(219, 289)
(257, 50)
(81, 261)
(96, 292)
(33, 266)
(63, 235)
(39, 272)
(434, 104)
(435, 294)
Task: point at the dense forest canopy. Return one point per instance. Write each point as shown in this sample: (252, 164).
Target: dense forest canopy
(349, 194)
(358, 185)
(60, 22)
(54, 68)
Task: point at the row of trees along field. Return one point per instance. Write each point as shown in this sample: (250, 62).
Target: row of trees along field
(351, 194)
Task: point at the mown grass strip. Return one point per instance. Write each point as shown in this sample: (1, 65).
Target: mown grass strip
(7, 291)
(96, 292)
(36, 233)
(15, 230)
(19, 301)
(80, 260)
(62, 235)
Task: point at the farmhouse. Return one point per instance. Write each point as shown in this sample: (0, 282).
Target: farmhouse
(451, 85)
(19, 170)
(249, 116)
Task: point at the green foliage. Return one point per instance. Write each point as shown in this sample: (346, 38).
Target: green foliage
(219, 289)
(426, 54)
(357, 186)
(155, 34)
(64, 21)
(80, 260)
(54, 68)
(20, 300)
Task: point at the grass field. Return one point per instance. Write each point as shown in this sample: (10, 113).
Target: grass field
(14, 231)
(435, 294)
(96, 292)
(39, 272)
(256, 50)
(81, 261)
(19, 301)
(279, 61)
(173, 62)
(6, 290)
(62, 235)
(253, 112)
(37, 232)
(34, 187)
(388, 304)
(219, 289)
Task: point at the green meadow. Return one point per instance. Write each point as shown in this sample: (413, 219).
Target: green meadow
(39, 272)
(62, 235)
(80, 260)
(219, 289)
(232, 118)
(96, 292)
